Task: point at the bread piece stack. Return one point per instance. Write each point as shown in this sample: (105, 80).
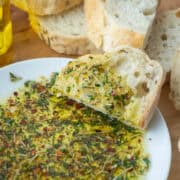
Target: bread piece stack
(77, 27)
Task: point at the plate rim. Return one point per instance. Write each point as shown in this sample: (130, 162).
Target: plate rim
(24, 61)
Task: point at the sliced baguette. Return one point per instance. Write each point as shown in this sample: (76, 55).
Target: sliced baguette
(119, 22)
(175, 80)
(46, 7)
(124, 84)
(65, 33)
(164, 39)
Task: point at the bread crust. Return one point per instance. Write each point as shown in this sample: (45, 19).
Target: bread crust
(154, 96)
(152, 100)
(64, 44)
(175, 81)
(46, 7)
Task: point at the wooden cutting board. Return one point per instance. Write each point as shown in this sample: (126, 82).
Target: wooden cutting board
(27, 45)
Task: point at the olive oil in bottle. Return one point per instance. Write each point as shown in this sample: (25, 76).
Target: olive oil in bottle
(5, 26)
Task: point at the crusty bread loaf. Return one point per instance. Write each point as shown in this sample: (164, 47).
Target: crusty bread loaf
(175, 80)
(46, 7)
(65, 33)
(165, 38)
(119, 22)
(124, 84)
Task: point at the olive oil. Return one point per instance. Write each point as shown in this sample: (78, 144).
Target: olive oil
(5, 26)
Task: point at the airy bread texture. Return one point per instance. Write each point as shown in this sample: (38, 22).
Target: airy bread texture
(65, 33)
(119, 22)
(124, 84)
(175, 80)
(46, 7)
(164, 39)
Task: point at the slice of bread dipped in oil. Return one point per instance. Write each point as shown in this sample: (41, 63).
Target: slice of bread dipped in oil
(124, 84)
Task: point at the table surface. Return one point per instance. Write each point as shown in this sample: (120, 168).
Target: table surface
(26, 45)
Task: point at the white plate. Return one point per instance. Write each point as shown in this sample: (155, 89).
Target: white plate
(157, 136)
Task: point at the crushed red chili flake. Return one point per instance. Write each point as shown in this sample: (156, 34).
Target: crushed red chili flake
(79, 106)
(23, 122)
(70, 102)
(110, 149)
(33, 152)
(33, 111)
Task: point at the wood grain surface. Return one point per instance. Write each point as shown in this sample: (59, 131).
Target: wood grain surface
(26, 45)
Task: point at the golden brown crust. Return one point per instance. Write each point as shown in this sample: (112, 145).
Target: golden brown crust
(153, 99)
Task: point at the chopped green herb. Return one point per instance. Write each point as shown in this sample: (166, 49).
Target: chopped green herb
(14, 78)
(52, 80)
(147, 161)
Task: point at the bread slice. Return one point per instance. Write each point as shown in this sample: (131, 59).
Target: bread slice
(46, 7)
(65, 33)
(119, 22)
(175, 80)
(124, 84)
(164, 39)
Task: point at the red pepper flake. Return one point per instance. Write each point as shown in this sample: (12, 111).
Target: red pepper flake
(45, 129)
(40, 88)
(6, 144)
(33, 152)
(33, 111)
(70, 102)
(113, 93)
(59, 154)
(79, 106)
(23, 122)
(37, 170)
(110, 149)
